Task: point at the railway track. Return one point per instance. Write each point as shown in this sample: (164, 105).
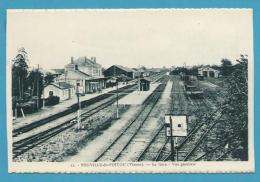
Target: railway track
(190, 144)
(70, 110)
(154, 147)
(164, 151)
(25, 144)
(218, 152)
(159, 148)
(199, 129)
(117, 148)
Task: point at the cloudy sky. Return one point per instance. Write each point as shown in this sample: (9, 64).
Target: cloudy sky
(153, 38)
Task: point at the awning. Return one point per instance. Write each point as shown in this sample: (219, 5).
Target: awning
(94, 82)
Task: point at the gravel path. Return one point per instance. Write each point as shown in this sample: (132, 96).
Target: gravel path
(93, 149)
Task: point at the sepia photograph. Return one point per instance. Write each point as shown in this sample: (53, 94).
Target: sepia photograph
(130, 90)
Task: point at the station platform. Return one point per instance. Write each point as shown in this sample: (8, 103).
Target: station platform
(62, 106)
(137, 97)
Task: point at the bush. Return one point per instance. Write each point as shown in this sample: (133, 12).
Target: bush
(52, 100)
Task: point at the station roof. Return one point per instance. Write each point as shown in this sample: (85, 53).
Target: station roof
(146, 79)
(124, 68)
(61, 85)
(84, 61)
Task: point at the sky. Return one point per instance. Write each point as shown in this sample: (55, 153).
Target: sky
(153, 38)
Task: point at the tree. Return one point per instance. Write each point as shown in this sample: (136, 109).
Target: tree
(143, 68)
(19, 74)
(35, 82)
(49, 78)
(238, 104)
(226, 67)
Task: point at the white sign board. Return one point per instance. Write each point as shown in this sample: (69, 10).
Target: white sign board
(179, 125)
(81, 89)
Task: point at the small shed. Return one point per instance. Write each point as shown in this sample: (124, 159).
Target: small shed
(60, 89)
(208, 72)
(144, 84)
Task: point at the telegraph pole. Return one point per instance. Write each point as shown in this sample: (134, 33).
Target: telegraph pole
(79, 107)
(176, 149)
(117, 115)
(172, 143)
(139, 72)
(38, 75)
(43, 99)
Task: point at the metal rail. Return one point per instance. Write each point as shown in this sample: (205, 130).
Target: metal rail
(158, 157)
(154, 96)
(219, 148)
(150, 143)
(66, 112)
(23, 145)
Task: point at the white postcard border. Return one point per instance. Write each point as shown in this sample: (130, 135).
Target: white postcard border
(136, 167)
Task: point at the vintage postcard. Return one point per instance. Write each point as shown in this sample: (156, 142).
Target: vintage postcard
(130, 91)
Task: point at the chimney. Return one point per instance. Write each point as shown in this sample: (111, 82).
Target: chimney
(94, 59)
(71, 60)
(85, 58)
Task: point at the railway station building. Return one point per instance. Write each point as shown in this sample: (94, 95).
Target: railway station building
(84, 73)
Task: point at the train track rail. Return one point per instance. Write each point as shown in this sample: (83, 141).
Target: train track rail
(68, 111)
(25, 144)
(189, 145)
(116, 149)
(154, 147)
(159, 148)
(220, 150)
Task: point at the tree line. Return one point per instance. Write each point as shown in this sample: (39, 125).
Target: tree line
(225, 68)
(27, 83)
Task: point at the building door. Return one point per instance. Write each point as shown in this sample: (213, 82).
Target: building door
(69, 93)
(205, 74)
(211, 74)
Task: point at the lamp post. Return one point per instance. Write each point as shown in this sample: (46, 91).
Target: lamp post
(172, 144)
(113, 80)
(116, 80)
(117, 114)
(79, 107)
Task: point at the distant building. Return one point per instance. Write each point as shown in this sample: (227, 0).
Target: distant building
(61, 89)
(141, 72)
(155, 70)
(118, 71)
(58, 71)
(85, 65)
(146, 73)
(84, 73)
(144, 84)
(208, 72)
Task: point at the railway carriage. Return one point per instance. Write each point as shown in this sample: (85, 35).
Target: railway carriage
(192, 91)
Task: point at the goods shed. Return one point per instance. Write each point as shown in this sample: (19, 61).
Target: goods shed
(118, 71)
